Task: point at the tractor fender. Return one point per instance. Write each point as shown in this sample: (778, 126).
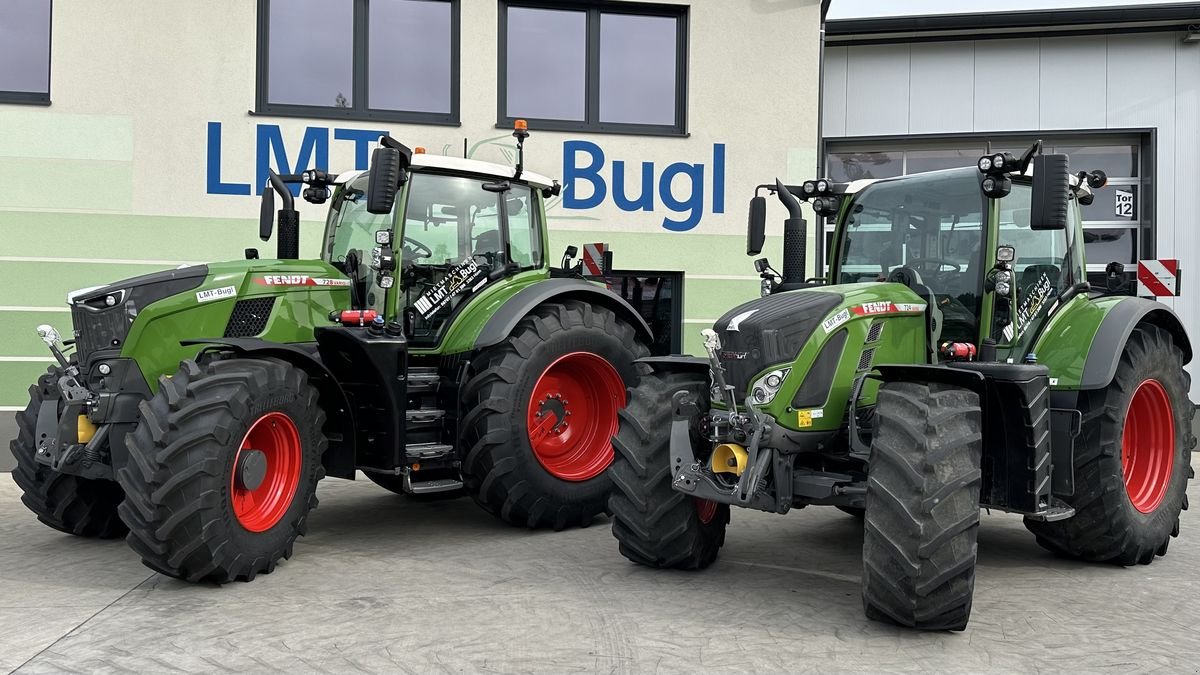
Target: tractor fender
(339, 458)
(941, 374)
(676, 364)
(505, 319)
(1114, 331)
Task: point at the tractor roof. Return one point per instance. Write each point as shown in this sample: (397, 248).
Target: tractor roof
(459, 165)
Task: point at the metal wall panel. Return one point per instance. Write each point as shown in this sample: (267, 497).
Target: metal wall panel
(1073, 83)
(941, 75)
(877, 90)
(1006, 85)
(833, 92)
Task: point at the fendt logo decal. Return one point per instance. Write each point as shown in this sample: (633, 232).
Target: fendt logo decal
(298, 280)
(887, 307)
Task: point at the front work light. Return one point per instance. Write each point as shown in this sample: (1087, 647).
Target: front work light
(764, 388)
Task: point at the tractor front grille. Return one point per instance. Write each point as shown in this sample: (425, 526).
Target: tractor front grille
(768, 331)
(249, 317)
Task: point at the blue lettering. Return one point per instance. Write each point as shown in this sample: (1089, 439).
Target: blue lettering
(314, 153)
(573, 174)
(718, 178)
(214, 184)
(645, 201)
(363, 140)
(694, 204)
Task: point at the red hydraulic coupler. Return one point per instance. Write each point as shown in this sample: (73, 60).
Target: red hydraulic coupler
(958, 351)
(355, 317)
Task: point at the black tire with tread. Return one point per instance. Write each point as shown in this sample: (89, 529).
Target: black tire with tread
(177, 480)
(500, 470)
(84, 507)
(654, 524)
(1106, 527)
(922, 514)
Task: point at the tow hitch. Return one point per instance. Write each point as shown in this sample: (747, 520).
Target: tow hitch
(69, 442)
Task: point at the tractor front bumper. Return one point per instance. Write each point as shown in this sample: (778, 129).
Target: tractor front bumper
(83, 430)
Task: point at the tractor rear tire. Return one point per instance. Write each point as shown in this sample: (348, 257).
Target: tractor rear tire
(922, 517)
(654, 524)
(541, 412)
(223, 468)
(83, 507)
(1126, 515)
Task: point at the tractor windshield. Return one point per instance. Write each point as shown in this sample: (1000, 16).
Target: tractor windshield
(351, 228)
(930, 224)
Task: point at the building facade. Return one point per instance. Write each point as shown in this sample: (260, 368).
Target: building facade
(135, 135)
(1117, 89)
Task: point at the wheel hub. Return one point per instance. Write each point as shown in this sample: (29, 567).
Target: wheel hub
(266, 472)
(572, 415)
(251, 469)
(1148, 446)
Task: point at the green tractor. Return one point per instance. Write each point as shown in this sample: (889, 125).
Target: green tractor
(954, 358)
(430, 347)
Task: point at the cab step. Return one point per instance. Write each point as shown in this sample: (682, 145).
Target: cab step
(423, 452)
(423, 416)
(426, 487)
(423, 379)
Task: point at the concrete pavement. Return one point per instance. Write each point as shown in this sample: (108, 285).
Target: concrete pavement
(383, 583)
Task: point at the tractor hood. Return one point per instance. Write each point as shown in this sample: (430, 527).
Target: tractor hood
(792, 328)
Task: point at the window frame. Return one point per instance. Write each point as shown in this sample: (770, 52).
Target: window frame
(37, 97)
(360, 110)
(591, 122)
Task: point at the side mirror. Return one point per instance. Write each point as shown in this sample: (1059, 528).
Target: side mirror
(1051, 193)
(756, 228)
(384, 181)
(266, 214)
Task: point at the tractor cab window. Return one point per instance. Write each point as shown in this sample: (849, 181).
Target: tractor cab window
(926, 230)
(1043, 264)
(454, 240)
(350, 230)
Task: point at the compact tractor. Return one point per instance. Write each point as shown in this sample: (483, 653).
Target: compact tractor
(954, 357)
(431, 347)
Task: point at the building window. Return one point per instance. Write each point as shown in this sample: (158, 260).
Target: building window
(1118, 226)
(389, 60)
(594, 66)
(25, 51)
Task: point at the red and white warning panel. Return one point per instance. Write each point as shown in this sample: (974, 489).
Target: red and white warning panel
(1158, 278)
(593, 259)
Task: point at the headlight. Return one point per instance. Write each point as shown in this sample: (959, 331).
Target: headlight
(763, 390)
(1003, 276)
(985, 164)
(1003, 288)
(998, 161)
(764, 289)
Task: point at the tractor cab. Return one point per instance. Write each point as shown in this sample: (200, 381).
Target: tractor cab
(438, 230)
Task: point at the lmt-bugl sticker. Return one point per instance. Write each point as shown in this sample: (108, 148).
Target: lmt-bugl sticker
(459, 277)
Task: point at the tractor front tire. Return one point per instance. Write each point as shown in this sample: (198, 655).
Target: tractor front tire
(83, 507)
(1132, 459)
(922, 516)
(223, 469)
(541, 413)
(654, 524)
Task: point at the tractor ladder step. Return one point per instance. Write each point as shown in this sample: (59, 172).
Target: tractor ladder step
(426, 487)
(423, 379)
(418, 452)
(423, 417)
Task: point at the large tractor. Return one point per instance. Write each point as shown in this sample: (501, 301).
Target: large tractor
(954, 357)
(431, 347)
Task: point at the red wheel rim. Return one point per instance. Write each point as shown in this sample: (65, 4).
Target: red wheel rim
(275, 435)
(1148, 446)
(572, 416)
(706, 510)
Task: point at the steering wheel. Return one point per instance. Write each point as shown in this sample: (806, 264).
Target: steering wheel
(940, 262)
(415, 249)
